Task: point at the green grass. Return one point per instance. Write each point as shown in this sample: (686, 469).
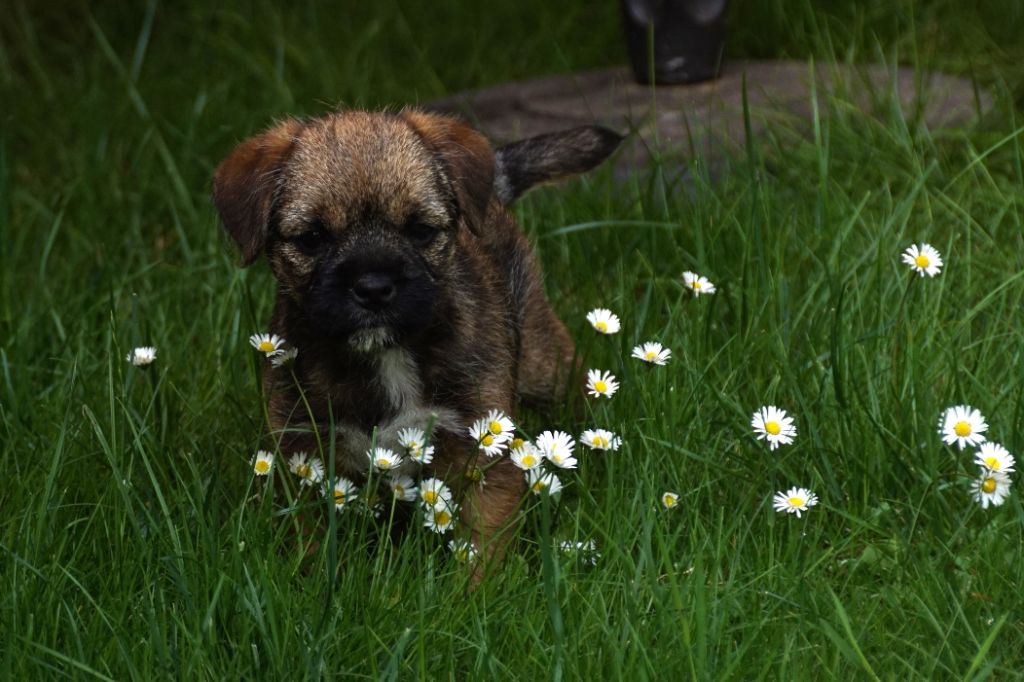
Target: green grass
(134, 545)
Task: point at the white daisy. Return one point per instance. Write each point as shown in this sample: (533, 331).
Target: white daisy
(439, 518)
(772, 425)
(491, 445)
(266, 343)
(962, 425)
(600, 439)
(433, 491)
(284, 358)
(925, 259)
(344, 490)
(669, 500)
(584, 551)
(422, 455)
(309, 470)
(995, 457)
(517, 443)
(697, 284)
(402, 487)
(415, 443)
(538, 481)
(526, 457)
(142, 356)
(653, 353)
(557, 447)
(383, 459)
(604, 321)
(500, 426)
(601, 383)
(794, 501)
(263, 462)
(990, 488)
(462, 550)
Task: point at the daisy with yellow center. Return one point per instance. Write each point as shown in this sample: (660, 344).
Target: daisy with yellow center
(557, 447)
(995, 457)
(991, 488)
(669, 500)
(262, 463)
(700, 286)
(526, 457)
(490, 444)
(383, 459)
(402, 487)
(462, 550)
(266, 343)
(601, 383)
(600, 439)
(342, 493)
(539, 481)
(309, 470)
(499, 425)
(794, 501)
(652, 353)
(773, 426)
(440, 518)
(924, 259)
(142, 356)
(963, 425)
(603, 321)
(516, 443)
(414, 442)
(433, 491)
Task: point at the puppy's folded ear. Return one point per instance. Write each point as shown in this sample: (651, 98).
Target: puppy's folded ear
(467, 157)
(246, 182)
(523, 164)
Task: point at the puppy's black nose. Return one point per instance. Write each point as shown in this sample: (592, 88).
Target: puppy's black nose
(374, 290)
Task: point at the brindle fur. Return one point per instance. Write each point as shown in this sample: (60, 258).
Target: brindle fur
(479, 332)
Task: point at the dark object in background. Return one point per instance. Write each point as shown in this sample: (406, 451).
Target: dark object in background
(689, 39)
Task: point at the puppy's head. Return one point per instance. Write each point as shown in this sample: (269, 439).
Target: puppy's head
(359, 213)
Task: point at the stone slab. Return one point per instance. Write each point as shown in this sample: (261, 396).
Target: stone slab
(681, 121)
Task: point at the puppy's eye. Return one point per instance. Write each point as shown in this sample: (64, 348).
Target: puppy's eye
(421, 234)
(312, 238)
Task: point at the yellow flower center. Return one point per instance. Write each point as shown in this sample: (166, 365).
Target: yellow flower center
(988, 485)
(796, 502)
(651, 355)
(304, 470)
(430, 496)
(399, 490)
(517, 443)
(442, 518)
(462, 554)
(669, 500)
(529, 460)
(600, 441)
(962, 429)
(339, 497)
(383, 462)
(992, 463)
(487, 440)
(495, 428)
(267, 346)
(601, 327)
(262, 466)
(773, 428)
(474, 474)
(696, 284)
(600, 386)
(540, 485)
(922, 261)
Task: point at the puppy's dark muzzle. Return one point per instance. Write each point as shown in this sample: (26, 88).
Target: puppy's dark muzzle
(375, 291)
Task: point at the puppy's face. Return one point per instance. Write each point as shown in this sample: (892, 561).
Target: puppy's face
(361, 216)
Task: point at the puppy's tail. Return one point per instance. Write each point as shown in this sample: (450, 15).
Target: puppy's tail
(521, 165)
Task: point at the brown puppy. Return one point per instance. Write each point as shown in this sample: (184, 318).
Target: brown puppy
(411, 294)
